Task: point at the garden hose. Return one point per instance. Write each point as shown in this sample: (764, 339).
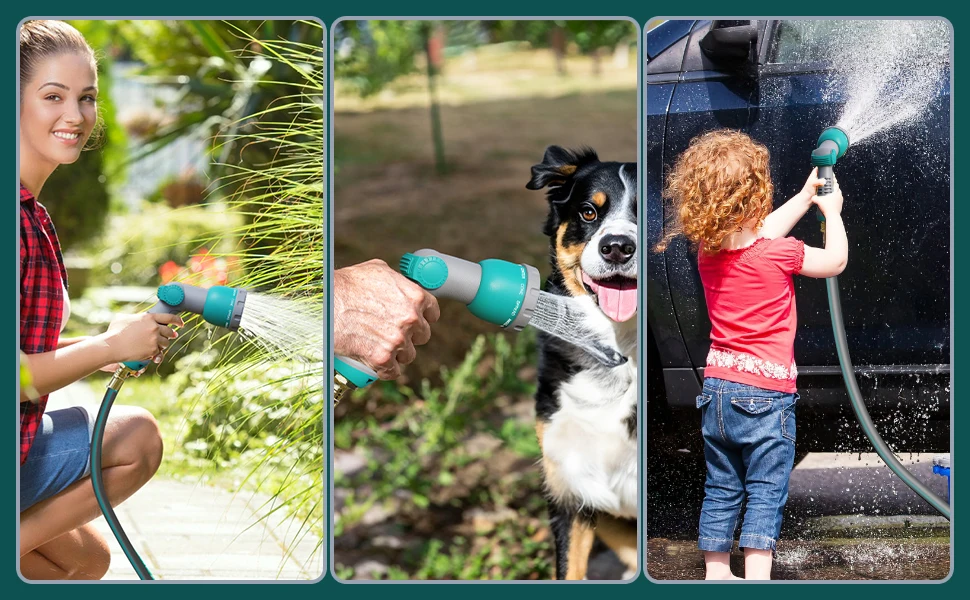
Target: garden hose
(832, 145)
(219, 305)
(97, 477)
(859, 406)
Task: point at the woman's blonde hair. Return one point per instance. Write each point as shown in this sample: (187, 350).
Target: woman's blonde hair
(719, 182)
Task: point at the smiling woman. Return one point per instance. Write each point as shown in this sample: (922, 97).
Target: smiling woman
(58, 113)
(59, 91)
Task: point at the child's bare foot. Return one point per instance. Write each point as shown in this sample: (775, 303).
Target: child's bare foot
(717, 566)
(757, 564)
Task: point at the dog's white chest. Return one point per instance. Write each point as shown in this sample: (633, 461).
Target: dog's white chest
(589, 454)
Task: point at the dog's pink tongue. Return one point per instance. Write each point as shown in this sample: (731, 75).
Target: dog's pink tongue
(617, 299)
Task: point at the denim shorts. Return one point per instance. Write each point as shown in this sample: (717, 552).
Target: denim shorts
(749, 446)
(59, 456)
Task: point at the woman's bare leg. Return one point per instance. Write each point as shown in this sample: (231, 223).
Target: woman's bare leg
(78, 554)
(132, 454)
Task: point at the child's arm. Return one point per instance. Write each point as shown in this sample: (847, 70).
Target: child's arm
(129, 337)
(831, 260)
(782, 219)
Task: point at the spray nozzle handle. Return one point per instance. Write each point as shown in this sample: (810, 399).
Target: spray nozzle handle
(159, 308)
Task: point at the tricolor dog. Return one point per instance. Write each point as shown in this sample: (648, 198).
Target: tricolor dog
(587, 412)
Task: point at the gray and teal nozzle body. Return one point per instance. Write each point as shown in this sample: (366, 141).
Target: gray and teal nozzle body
(832, 145)
(220, 305)
(496, 291)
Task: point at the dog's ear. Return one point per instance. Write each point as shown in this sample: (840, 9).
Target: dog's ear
(558, 166)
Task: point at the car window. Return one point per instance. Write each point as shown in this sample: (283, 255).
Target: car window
(799, 42)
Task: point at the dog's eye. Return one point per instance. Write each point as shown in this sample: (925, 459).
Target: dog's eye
(588, 213)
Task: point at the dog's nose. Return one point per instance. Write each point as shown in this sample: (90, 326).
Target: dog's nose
(617, 248)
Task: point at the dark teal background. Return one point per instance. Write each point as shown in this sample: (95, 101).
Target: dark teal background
(14, 12)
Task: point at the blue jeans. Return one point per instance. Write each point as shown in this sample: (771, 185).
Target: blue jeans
(749, 446)
(59, 456)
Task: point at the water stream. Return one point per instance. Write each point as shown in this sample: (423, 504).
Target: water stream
(888, 71)
(285, 327)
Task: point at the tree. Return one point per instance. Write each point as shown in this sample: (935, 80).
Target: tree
(370, 54)
(593, 36)
(221, 76)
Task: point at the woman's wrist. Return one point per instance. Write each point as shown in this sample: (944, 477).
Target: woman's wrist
(102, 347)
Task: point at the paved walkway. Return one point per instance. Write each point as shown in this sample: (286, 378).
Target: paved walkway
(194, 531)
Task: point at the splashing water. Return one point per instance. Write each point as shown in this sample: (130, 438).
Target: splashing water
(564, 318)
(286, 327)
(890, 71)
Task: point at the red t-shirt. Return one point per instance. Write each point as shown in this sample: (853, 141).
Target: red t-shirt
(751, 304)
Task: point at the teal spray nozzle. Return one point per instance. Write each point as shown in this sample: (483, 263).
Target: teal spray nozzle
(495, 290)
(219, 305)
(832, 145)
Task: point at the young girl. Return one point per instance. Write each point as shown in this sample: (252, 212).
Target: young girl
(722, 191)
(58, 112)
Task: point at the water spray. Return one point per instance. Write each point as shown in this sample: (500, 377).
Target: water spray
(221, 306)
(497, 291)
(832, 145)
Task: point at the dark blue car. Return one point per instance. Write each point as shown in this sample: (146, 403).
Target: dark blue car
(768, 78)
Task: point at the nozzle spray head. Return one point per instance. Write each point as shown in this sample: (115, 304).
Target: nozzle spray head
(496, 291)
(832, 144)
(219, 305)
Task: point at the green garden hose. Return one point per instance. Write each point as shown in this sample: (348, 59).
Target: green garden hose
(832, 145)
(859, 406)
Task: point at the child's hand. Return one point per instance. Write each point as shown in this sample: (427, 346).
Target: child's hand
(140, 337)
(830, 204)
(812, 184)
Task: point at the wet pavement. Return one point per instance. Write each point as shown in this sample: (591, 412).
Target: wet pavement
(848, 518)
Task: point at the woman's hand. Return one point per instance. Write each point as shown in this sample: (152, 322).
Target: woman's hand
(140, 337)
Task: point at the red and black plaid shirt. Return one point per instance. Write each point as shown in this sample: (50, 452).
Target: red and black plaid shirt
(42, 282)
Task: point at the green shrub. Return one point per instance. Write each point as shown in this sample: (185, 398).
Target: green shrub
(135, 245)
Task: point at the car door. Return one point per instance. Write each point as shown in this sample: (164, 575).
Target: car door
(895, 289)
(706, 96)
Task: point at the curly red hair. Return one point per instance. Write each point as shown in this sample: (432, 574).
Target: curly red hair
(719, 182)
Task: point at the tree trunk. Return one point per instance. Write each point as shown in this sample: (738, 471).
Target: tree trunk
(434, 48)
(558, 42)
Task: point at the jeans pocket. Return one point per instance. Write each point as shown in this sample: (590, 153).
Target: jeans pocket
(752, 405)
(788, 420)
(703, 400)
